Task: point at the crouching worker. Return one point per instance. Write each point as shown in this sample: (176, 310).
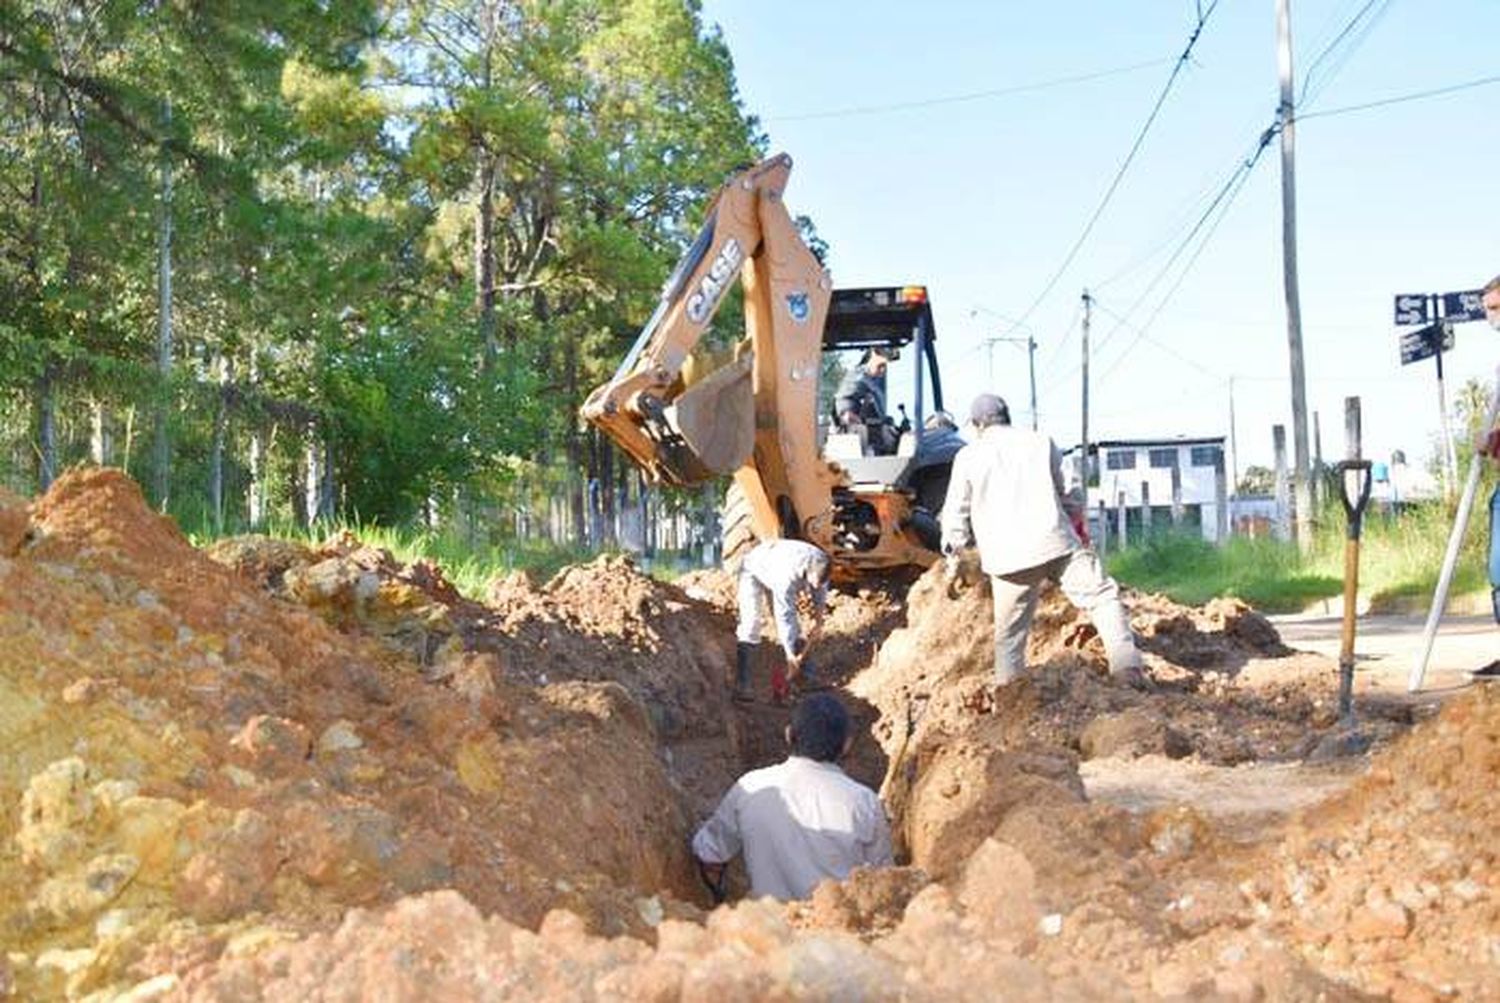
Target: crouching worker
(1006, 495)
(779, 570)
(801, 821)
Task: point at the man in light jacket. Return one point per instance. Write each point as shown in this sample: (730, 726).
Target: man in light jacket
(1006, 496)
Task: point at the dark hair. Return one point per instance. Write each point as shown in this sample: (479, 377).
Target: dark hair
(820, 725)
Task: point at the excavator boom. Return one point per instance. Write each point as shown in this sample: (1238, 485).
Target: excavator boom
(754, 417)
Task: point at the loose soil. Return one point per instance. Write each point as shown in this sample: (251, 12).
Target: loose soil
(274, 771)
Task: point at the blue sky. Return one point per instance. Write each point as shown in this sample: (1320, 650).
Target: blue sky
(981, 195)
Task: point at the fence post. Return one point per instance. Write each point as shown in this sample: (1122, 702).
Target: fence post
(1145, 510)
(1283, 488)
(1120, 537)
(1221, 500)
(1102, 543)
(1176, 495)
(1351, 428)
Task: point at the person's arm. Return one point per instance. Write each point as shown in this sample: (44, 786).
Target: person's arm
(876, 846)
(957, 531)
(820, 611)
(788, 629)
(718, 840)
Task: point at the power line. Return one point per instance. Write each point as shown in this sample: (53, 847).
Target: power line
(1226, 193)
(1312, 69)
(1028, 88)
(1203, 16)
(1402, 98)
(1233, 192)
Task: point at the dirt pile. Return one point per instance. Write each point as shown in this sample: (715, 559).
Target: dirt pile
(1395, 885)
(600, 622)
(184, 754)
(314, 772)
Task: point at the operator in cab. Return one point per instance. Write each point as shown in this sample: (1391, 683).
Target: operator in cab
(860, 400)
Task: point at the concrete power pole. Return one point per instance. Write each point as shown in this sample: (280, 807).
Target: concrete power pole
(1083, 448)
(1301, 473)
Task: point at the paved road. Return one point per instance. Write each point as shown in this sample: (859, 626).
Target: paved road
(1386, 646)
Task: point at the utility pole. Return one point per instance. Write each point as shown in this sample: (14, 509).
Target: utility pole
(1234, 452)
(1088, 310)
(1030, 344)
(1301, 474)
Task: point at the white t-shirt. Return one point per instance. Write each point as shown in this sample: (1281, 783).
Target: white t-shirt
(798, 822)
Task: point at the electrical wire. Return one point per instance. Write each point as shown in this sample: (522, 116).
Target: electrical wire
(1135, 148)
(1029, 88)
(1401, 98)
(1307, 95)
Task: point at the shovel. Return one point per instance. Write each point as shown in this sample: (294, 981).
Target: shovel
(1354, 510)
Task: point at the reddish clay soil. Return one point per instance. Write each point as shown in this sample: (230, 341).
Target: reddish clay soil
(276, 772)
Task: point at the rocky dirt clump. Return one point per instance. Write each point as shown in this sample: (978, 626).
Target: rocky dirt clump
(182, 752)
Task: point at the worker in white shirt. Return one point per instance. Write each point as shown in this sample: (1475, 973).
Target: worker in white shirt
(779, 571)
(1006, 495)
(799, 822)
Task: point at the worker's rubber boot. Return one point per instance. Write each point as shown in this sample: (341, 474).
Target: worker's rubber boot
(743, 655)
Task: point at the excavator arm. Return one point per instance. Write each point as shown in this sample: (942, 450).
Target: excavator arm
(756, 416)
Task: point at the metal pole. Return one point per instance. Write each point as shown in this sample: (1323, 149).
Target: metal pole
(1088, 307)
(1300, 479)
(1450, 457)
(1353, 453)
(1278, 441)
(1234, 454)
(1031, 363)
(1455, 541)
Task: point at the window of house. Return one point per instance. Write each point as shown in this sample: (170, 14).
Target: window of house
(1120, 459)
(1164, 459)
(1206, 456)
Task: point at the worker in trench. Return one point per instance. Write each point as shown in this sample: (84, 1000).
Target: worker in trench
(1006, 495)
(801, 821)
(779, 571)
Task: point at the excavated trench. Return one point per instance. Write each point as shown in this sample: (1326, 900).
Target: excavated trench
(276, 771)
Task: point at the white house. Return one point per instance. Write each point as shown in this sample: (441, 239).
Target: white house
(1180, 479)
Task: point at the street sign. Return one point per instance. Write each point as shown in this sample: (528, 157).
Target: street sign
(1411, 308)
(1423, 343)
(1464, 306)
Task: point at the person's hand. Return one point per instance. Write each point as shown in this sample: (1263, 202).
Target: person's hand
(1489, 445)
(953, 575)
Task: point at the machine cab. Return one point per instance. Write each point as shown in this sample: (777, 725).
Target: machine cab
(879, 385)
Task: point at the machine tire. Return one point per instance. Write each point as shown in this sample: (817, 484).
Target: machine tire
(736, 534)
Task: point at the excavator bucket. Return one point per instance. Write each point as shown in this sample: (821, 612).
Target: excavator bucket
(716, 417)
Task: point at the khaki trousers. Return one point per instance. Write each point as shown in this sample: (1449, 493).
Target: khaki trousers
(1082, 579)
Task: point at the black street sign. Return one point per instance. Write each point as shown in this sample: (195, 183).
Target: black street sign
(1464, 306)
(1423, 343)
(1411, 308)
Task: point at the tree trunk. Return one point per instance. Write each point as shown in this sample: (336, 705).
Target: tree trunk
(161, 472)
(255, 496)
(607, 491)
(101, 434)
(216, 457)
(46, 429)
(575, 466)
(484, 255)
(312, 481)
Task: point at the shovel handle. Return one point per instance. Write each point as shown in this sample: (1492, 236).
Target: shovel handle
(1354, 508)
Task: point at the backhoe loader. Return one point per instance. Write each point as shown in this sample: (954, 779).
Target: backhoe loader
(867, 492)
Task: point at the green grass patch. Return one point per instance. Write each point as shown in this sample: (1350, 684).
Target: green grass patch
(1267, 574)
(1400, 559)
